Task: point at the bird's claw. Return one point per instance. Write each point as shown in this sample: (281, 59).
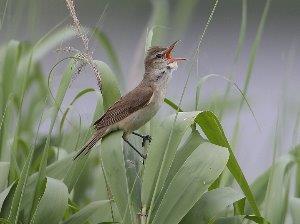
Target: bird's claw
(145, 139)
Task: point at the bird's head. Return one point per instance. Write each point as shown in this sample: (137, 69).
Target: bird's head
(159, 60)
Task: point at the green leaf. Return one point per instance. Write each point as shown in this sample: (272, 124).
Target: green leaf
(211, 204)
(19, 192)
(57, 169)
(47, 43)
(198, 172)
(85, 213)
(110, 88)
(215, 134)
(187, 148)
(162, 150)
(114, 167)
(4, 167)
(53, 203)
(173, 105)
(62, 89)
(109, 49)
(6, 199)
(4, 221)
(4, 194)
(295, 209)
(276, 201)
(229, 220)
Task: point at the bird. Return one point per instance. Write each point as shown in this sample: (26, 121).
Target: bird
(138, 106)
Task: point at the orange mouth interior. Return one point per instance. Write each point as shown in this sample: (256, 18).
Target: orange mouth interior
(168, 54)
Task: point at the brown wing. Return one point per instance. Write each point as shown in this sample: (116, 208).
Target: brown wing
(126, 105)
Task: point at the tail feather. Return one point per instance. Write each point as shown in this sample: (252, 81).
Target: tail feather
(89, 144)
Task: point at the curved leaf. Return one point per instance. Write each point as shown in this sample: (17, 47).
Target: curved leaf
(85, 213)
(110, 88)
(211, 204)
(110, 51)
(166, 138)
(215, 134)
(295, 209)
(198, 172)
(191, 143)
(4, 194)
(4, 167)
(53, 203)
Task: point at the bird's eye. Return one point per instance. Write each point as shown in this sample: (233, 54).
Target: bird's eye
(159, 56)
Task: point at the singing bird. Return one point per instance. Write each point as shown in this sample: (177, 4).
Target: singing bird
(137, 107)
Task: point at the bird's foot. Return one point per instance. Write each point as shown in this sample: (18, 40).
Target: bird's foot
(145, 139)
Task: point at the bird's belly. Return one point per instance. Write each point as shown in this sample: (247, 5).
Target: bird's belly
(139, 118)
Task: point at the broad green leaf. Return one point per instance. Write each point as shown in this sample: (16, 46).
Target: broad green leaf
(229, 220)
(191, 181)
(183, 152)
(110, 88)
(215, 134)
(50, 40)
(4, 167)
(6, 197)
(166, 138)
(241, 219)
(53, 203)
(109, 49)
(210, 205)
(86, 212)
(114, 167)
(295, 209)
(57, 169)
(4, 194)
(276, 200)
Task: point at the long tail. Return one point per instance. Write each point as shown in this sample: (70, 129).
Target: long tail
(89, 144)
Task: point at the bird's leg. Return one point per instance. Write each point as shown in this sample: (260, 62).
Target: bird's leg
(144, 137)
(135, 149)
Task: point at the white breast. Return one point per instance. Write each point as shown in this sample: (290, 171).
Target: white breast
(142, 116)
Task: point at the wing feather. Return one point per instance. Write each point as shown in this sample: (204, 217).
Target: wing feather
(126, 105)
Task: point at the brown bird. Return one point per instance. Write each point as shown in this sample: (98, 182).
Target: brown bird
(137, 107)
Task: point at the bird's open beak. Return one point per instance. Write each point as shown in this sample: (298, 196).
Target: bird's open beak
(168, 53)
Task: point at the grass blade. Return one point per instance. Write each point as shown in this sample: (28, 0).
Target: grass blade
(62, 89)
